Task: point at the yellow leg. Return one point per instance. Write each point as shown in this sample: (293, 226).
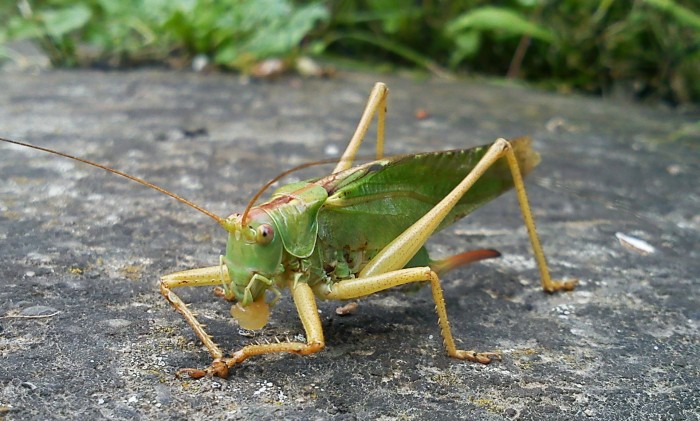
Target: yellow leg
(360, 287)
(548, 284)
(397, 253)
(376, 102)
(308, 313)
(213, 275)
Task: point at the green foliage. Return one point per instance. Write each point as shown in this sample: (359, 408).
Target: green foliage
(466, 30)
(235, 34)
(648, 48)
(645, 48)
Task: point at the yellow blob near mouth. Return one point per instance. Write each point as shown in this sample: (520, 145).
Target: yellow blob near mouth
(254, 316)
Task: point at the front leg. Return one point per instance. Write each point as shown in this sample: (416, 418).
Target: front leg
(305, 302)
(213, 275)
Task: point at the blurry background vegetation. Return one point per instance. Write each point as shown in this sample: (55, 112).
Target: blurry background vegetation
(649, 49)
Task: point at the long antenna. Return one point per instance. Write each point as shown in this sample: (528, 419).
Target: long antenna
(213, 216)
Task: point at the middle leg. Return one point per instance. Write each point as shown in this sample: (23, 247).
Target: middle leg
(360, 287)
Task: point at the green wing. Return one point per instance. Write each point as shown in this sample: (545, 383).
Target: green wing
(376, 202)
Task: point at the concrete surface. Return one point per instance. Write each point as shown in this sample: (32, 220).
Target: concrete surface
(84, 332)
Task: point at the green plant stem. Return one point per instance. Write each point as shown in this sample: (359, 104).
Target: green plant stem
(394, 47)
(679, 12)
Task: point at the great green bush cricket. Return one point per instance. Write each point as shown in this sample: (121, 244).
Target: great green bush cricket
(355, 232)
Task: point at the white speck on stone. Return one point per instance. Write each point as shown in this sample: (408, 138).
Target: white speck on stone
(564, 310)
(55, 191)
(246, 333)
(132, 399)
(190, 182)
(199, 62)
(117, 323)
(634, 244)
(331, 150)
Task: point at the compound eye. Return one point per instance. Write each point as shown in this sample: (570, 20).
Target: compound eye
(264, 234)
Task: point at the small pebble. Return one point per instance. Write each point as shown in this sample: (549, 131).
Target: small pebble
(347, 309)
(38, 311)
(117, 323)
(28, 385)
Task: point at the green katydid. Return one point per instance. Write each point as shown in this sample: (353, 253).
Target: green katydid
(355, 232)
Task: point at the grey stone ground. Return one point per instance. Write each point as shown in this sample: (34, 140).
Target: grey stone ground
(85, 249)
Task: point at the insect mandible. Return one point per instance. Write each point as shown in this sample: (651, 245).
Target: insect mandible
(355, 232)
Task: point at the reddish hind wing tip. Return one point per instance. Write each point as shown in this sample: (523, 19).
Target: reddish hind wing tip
(461, 259)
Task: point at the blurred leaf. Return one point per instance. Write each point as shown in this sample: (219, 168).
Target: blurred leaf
(498, 19)
(284, 33)
(284, 29)
(62, 21)
(528, 3)
(228, 53)
(396, 48)
(19, 28)
(392, 14)
(467, 44)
